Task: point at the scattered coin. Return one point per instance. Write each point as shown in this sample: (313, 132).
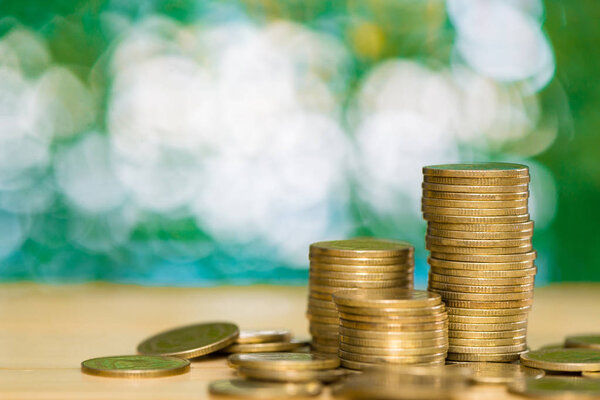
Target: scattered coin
(566, 360)
(326, 375)
(283, 361)
(191, 341)
(135, 366)
(264, 347)
(263, 336)
(260, 389)
(557, 388)
(499, 373)
(583, 341)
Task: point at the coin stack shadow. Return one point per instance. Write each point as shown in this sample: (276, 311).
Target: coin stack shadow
(352, 263)
(391, 326)
(482, 263)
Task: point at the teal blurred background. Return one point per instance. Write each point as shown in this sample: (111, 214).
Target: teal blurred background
(178, 142)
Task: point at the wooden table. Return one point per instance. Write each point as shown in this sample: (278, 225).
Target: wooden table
(46, 331)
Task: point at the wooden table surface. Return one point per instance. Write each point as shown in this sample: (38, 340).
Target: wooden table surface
(46, 331)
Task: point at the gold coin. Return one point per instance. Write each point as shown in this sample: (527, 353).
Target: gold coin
(499, 373)
(560, 388)
(442, 187)
(360, 276)
(565, 360)
(395, 319)
(359, 366)
(528, 274)
(391, 343)
(466, 235)
(265, 390)
(465, 196)
(322, 319)
(487, 342)
(392, 312)
(591, 374)
(508, 304)
(462, 280)
(360, 261)
(488, 169)
(493, 227)
(320, 296)
(448, 295)
(486, 335)
(468, 219)
(327, 376)
(583, 341)
(488, 349)
(283, 361)
(323, 312)
(476, 181)
(191, 341)
(452, 266)
(321, 334)
(442, 241)
(406, 267)
(485, 258)
(489, 357)
(264, 336)
(386, 298)
(392, 335)
(491, 327)
(479, 289)
(429, 326)
(349, 283)
(135, 366)
(264, 347)
(446, 203)
(393, 351)
(361, 247)
(325, 349)
(346, 355)
(487, 312)
(478, 250)
(474, 212)
(487, 320)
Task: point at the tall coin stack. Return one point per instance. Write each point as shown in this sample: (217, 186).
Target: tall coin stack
(482, 262)
(394, 326)
(354, 263)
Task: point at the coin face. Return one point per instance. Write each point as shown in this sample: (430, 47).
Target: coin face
(488, 169)
(260, 389)
(191, 341)
(499, 373)
(557, 387)
(286, 361)
(392, 297)
(584, 341)
(263, 336)
(327, 375)
(135, 366)
(568, 360)
(361, 247)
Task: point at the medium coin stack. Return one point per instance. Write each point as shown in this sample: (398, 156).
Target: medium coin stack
(394, 326)
(355, 263)
(482, 262)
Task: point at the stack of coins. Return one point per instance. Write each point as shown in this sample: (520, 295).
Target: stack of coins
(479, 235)
(353, 263)
(396, 326)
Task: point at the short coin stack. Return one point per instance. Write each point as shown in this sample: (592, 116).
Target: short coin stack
(479, 235)
(394, 326)
(354, 263)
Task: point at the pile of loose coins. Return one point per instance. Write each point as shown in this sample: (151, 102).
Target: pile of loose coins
(354, 263)
(394, 326)
(479, 235)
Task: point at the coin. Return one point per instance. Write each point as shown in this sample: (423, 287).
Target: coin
(325, 349)
(346, 355)
(472, 181)
(359, 276)
(527, 273)
(467, 235)
(485, 258)
(501, 357)
(488, 349)
(487, 342)
(442, 187)
(497, 289)
(327, 375)
(474, 212)
(466, 196)
(264, 347)
(442, 241)
(283, 361)
(191, 341)
(478, 250)
(486, 335)
(450, 265)
(557, 388)
(393, 297)
(591, 374)
(388, 343)
(322, 319)
(469, 219)
(357, 365)
(391, 311)
(393, 351)
(349, 283)
(488, 169)
(135, 366)
(260, 389)
(406, 267)
(487, 312)
(448, 295)
(447, 203)
(462, 280)
(477, 227)
(394, 326)
(364, 261)
(508, 304)
(263, 336)
(583, 341)
(361, 247)
(394, 319)
(487, 319)
(458, 326)
(566, 360)
(392, 335)
(324, 312)
(499, 373)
